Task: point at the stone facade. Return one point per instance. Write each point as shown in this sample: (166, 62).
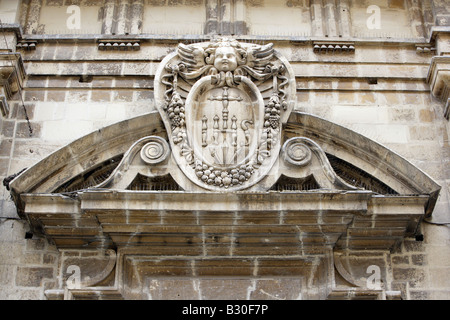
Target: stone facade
(81, 83)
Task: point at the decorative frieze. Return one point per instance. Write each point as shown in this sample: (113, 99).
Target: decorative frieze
(119, 45)
(333, 47)
(425, 48)
(27, 45)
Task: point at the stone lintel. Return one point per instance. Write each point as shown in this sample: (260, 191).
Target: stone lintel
(200, 222)
(238, 201)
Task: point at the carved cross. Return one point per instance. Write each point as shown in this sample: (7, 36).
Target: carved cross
(225, 101)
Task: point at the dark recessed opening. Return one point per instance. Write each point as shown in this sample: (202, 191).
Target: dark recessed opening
(28, 235)
(86, 79)
(372, 81)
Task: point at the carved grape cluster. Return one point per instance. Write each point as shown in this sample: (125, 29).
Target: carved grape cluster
(224, 178)
(273, 111)
(176, 110)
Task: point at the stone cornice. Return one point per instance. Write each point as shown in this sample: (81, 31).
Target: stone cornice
(112, 219)
(436, 30)
(12, 75)
(12, 27)
(439, 80)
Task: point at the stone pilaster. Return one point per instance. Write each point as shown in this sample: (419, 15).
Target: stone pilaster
(108, 17)
(225, 17)
(122, 25)
(330, 18)
(344, 18)
(136, 16)
(32, 18)
(441, 12)
(240, 25)
(212, 22)
(316, 18)
(416, 17)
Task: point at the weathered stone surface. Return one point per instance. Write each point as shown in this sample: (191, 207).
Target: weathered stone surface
(384, 88)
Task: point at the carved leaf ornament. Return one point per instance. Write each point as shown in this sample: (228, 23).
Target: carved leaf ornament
(223, 104)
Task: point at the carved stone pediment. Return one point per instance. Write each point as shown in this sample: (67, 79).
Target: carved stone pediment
(224, 182)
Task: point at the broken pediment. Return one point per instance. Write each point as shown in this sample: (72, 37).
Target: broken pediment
(224, 180)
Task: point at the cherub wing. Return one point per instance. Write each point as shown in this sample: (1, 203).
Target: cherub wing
(258, 57)
(192, 57)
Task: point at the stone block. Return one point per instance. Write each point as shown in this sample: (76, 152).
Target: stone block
(31, 258)
(223, 289)
(37, 82)
(415, 276)
(7, 128)
(84, 52)
(439, 277)
(97, 111)
(77, 96)
(35, 245)
(56, 95)
(34, 150)
(49, 258)
(412, 98)
(277, 289)
(400, 259)
(122, 96)
(142, 95)
(419, 295)
(100, 96)
(116, 112)
(170, 289)
(12, 233)
(7, 275)
(401, 114)
(392, 133)
(413, 246)
(34, 95)
(65, 130)
(101, 82)
(64, 52)
(390, 98)
(422, 133)
(5, 147)
(360, 114)
(439, 255)
(28, 129)
(49, 111)
(418, 259)
(319, 98)
(32, 276)
(426, 115)
(366, 98)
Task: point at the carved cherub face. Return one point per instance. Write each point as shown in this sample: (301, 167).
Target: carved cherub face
(225, 59)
